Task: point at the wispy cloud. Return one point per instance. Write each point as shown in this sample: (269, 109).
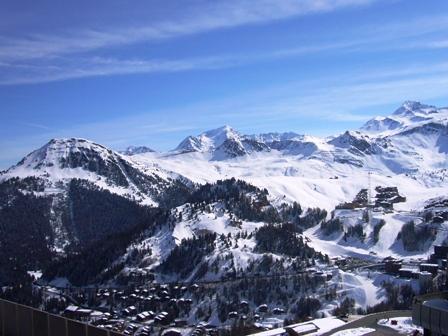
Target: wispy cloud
(409, 35)
(64, 69)
(211, 16)
(37, 58)
(100, 66)
(34, 125)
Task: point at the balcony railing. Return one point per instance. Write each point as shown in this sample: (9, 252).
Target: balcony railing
(20, 320)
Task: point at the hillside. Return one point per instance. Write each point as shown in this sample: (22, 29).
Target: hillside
(225, 206)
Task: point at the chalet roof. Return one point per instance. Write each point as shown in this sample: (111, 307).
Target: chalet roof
(171, 331)
(425, 273)
(429, 265)
(71, 308)
(303, 329)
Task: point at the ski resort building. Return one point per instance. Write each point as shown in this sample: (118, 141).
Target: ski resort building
(305, 328)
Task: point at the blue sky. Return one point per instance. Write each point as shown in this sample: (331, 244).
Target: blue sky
(152, 72)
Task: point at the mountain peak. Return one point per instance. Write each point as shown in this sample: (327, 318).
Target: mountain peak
(133, 150)
(220, 134)
(65, 153)
(73, 143)
(409, 114)
(209, 140)
(410, 106)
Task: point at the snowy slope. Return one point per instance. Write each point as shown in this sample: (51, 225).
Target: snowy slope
(217, 231)
(304, 168)
(407, 150)
(210, 240)
(61, 160)
(65, 172)
(410, 115)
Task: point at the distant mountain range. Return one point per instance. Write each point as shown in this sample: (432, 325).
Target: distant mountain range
(72, 193)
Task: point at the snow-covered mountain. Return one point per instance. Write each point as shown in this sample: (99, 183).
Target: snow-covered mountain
(299, 167)
(406, 151)
(61, 160)
(409, 115)
(78, 192)
(221, 144)
(411, 145)
(380, 138)
(226, 206)
(132, 150)
(209, 141)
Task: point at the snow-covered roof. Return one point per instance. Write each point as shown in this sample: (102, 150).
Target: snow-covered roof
(71, 308)
(311, 327)
(304, 328)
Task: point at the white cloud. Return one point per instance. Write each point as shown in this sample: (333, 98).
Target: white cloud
(395, 36)
(34, 125)
(211, 16)
(66, 69)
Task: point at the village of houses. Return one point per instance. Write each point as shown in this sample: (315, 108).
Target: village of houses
(172, 309)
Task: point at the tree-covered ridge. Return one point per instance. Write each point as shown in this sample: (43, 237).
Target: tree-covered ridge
(240, 201)
(184, 258)
(25, 234)
(355, 231)
(244, 200)
(284, 239)
(278, 249)
(104, 231)
(102, 259)
(89, 215)
(414, 237)
(93, 213)
(250, 203)
(11, 186)
(25, 231)
(331, 226)
(174, 194)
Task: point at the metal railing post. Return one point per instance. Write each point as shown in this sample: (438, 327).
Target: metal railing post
(17, 318)
(48, 324)
(32, 322)
(2, 312)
